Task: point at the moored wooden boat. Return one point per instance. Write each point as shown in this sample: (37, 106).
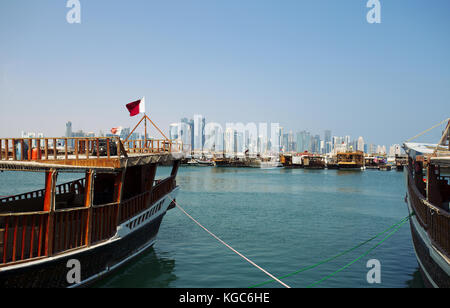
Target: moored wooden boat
(428, 195)
(350, 160)
(313, 161)
(99, 221)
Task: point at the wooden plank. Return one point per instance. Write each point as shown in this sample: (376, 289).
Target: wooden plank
(46, 149)
(14, 149)
(41, 231)
(16, 225)
(30, 148)
(66, 151)
(76, 149)
(24, 230)
(55, 149)
(7, 149)
(32, 236)
(89, 189)
(49, 205)
(38, 146)
(5, 240)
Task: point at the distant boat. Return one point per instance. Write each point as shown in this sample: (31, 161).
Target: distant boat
(200, 163)
(351, 160)
(270, 165)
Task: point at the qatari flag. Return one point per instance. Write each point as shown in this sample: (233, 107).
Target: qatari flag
(136, 107)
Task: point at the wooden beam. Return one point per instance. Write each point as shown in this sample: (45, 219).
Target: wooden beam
(88, 201)
(156, 127)
(135, 128)
(49, 206)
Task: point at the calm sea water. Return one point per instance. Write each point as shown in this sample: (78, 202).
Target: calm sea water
(281, 219)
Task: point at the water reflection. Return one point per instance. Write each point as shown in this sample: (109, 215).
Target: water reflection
(416, 280)
(349, 172)
(150, 270)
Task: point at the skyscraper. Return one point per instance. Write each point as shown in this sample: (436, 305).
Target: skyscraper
(199, 132)
(303, 141)
(188, 143)
(69, 134)
(360, 144)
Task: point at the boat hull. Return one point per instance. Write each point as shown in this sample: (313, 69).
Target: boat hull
(434, 267)
(133, 237)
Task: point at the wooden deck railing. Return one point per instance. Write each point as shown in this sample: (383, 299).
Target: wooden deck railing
(52, 149)
(152, 146)
(131, 207)
(73, 186)
(28, 236)
(434, 220)
(23, 236)
(104, 222)
(69, 229)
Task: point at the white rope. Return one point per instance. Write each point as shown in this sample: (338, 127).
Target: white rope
(426, 131)
(231, 248)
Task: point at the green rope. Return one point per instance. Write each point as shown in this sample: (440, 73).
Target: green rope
(361, 256)
(336, 256)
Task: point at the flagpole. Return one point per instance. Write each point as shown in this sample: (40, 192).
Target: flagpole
(145, 123)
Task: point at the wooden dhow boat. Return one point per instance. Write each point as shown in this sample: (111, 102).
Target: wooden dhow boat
(428, 195)
(350, 160)
(71, 234)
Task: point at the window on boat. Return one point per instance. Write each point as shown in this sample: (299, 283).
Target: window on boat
(105, 188)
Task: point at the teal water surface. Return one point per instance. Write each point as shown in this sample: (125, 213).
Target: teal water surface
(281, 219)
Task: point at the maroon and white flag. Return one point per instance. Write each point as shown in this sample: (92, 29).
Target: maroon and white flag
(116, 130)
(136, 107)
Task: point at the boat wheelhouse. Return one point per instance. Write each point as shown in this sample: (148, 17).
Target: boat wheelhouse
(313, 161)
(428, 195)
(109, 213)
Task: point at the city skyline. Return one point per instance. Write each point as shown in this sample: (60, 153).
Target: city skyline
(310, 65)
(288, 141)
(200, 135)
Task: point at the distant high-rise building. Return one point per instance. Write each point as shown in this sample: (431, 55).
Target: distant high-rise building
(303, 141)
(69, 134)
(69, 129)
(275, 138)
(189, 128)
(199, 132)
(174, 131)
(347, 140)
(327, 136)
(328, 147)
(229, 140)
(315, 144)
(360, 144)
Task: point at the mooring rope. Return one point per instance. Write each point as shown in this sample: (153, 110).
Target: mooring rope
(229, 247)
(363, 255)
(427, 130)
(304, 269)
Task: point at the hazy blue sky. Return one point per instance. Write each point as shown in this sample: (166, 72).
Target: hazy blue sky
(311, 65)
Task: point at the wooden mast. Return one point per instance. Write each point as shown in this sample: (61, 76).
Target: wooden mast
(145, 118)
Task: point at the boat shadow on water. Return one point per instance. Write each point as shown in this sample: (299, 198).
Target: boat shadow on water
(416, 281)
(147, 270)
